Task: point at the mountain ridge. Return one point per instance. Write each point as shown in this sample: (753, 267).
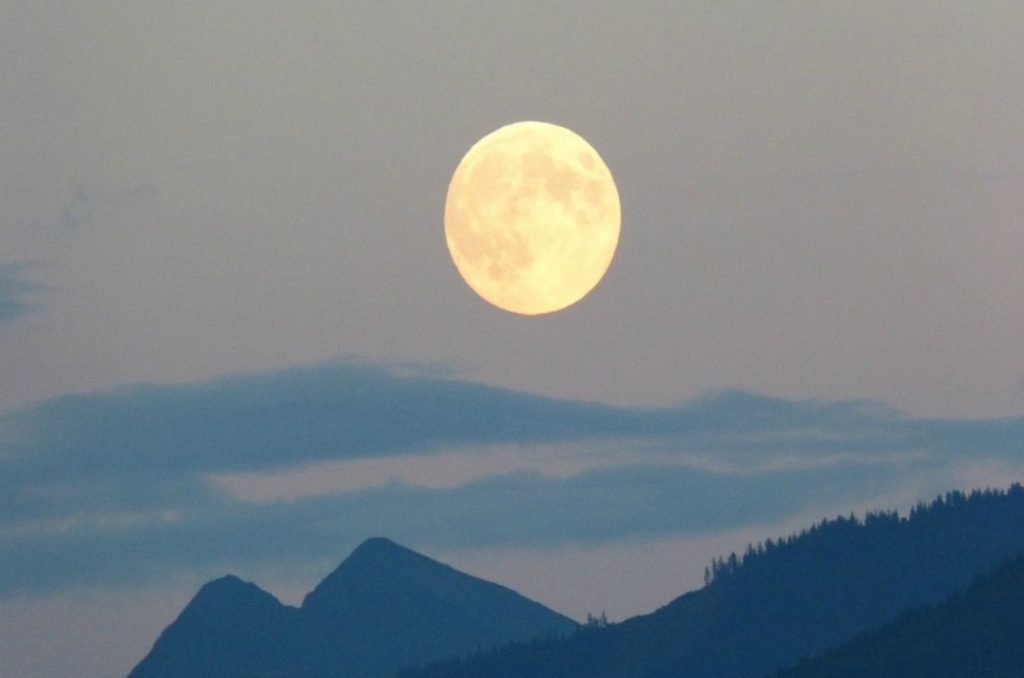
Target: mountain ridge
(384, 607)
(784, 599)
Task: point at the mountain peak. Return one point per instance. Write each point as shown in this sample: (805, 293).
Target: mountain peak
(228, 594)
(230, 622)
(377, 567)
(392, 599)
(380, 547)
(227, 583)
(383, 608)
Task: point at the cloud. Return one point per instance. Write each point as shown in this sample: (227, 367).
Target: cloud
(87, 202)
(512, 509)
(338, 410)
(144, 481)
(80, 210)
(15, 291)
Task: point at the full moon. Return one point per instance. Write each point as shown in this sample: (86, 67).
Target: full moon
(532, 218)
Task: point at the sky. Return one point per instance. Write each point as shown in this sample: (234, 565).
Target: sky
(232, 338)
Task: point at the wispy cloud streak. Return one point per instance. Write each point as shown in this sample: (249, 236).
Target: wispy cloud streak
(116, 486)
(15, 292)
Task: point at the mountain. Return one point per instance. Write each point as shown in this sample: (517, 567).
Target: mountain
(784, 600)
(383, 608)
(977, 633)
(231, 628)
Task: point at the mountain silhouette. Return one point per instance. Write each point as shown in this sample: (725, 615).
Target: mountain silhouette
(229, 628)
(977, 633)
(383, 608)
(783, 600)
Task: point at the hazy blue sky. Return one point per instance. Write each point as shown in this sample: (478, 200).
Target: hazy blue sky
(231, 337)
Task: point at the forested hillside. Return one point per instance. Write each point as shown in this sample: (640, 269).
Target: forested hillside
(784, 600)
(976, 633)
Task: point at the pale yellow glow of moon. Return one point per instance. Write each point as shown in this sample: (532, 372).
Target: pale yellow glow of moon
(532, 218)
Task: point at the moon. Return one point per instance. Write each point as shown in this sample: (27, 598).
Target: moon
(532, 218)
